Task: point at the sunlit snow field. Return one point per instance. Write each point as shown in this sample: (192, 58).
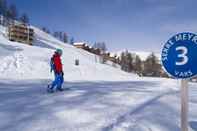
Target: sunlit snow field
(99, 97)
(145, 104)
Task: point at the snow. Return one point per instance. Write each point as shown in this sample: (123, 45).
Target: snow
(99, 96)
(79, 43)
(142, 104)
(20, 61)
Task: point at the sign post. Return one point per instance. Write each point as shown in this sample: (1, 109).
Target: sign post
(179, 59)
(184, 105)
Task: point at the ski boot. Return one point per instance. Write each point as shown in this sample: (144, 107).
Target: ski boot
(49, 89)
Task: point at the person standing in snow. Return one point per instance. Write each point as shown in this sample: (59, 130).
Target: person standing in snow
(56, 67)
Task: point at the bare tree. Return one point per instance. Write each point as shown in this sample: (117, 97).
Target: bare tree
(100, 45)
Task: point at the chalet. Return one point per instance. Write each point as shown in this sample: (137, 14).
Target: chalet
(82, 45)
(108, 56)
(87, 48)
(21, 33)
(194, 79)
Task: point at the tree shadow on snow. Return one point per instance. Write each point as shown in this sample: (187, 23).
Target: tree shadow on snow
(23, 102)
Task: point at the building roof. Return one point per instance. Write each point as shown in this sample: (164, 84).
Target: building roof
(80, 43)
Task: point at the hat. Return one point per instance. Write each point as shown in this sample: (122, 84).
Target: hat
(59, 51)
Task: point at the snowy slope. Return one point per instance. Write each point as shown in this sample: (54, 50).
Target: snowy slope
(100, 97)
(143, 104)
(19, 61)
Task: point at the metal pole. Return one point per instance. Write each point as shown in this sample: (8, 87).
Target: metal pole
(184, 105)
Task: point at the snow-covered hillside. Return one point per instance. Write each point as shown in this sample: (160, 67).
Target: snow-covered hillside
(20, 61)
(99, 97)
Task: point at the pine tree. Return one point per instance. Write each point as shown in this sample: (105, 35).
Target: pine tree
(46, 30)
(101, 46)
(24, 18)
(65, 38)
(72, 41)
(3, 7)
(122, 61)
(60, 36)
(151, 66)
(138, 65)
(55, 34)
(126, 61)
(129, 62)
(12, 12)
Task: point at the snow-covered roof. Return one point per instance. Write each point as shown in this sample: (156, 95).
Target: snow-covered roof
(80, 43)
(112, 55)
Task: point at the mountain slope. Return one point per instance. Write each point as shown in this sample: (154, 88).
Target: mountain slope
(20, 61)
(140, 104)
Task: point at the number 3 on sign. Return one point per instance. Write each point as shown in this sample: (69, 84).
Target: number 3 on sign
(183, 54)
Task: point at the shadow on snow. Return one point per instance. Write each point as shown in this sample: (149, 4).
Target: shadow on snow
(29, 100)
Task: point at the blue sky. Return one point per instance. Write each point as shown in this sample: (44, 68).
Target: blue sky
(141, 25)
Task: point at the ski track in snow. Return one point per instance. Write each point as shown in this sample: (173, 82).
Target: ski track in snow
(139, 108)
(87, 106)
(16, 61)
